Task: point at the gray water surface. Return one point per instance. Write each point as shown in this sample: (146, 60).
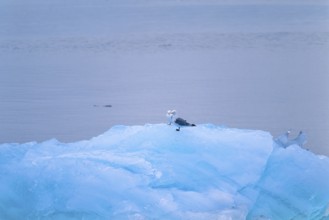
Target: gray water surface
(71, 72)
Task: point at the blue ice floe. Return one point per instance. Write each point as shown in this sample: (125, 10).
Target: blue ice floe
(154, 172)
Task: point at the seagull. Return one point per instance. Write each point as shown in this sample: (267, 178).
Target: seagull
(179, 122)
(283, 140)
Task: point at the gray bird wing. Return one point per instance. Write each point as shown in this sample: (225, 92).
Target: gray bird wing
(182, 122)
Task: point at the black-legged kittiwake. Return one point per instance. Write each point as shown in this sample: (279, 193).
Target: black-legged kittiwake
(179, 122)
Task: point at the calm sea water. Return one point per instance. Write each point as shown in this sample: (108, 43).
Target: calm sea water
(72, 71)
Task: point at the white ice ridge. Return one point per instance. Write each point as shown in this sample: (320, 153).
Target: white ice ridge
(155, 172)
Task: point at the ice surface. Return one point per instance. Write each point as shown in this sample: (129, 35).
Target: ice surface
(155, 172)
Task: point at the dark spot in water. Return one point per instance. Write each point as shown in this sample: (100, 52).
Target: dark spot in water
(165, 45)
(105, 106)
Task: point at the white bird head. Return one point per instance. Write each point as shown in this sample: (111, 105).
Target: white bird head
(171, 112)
(170, 116)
